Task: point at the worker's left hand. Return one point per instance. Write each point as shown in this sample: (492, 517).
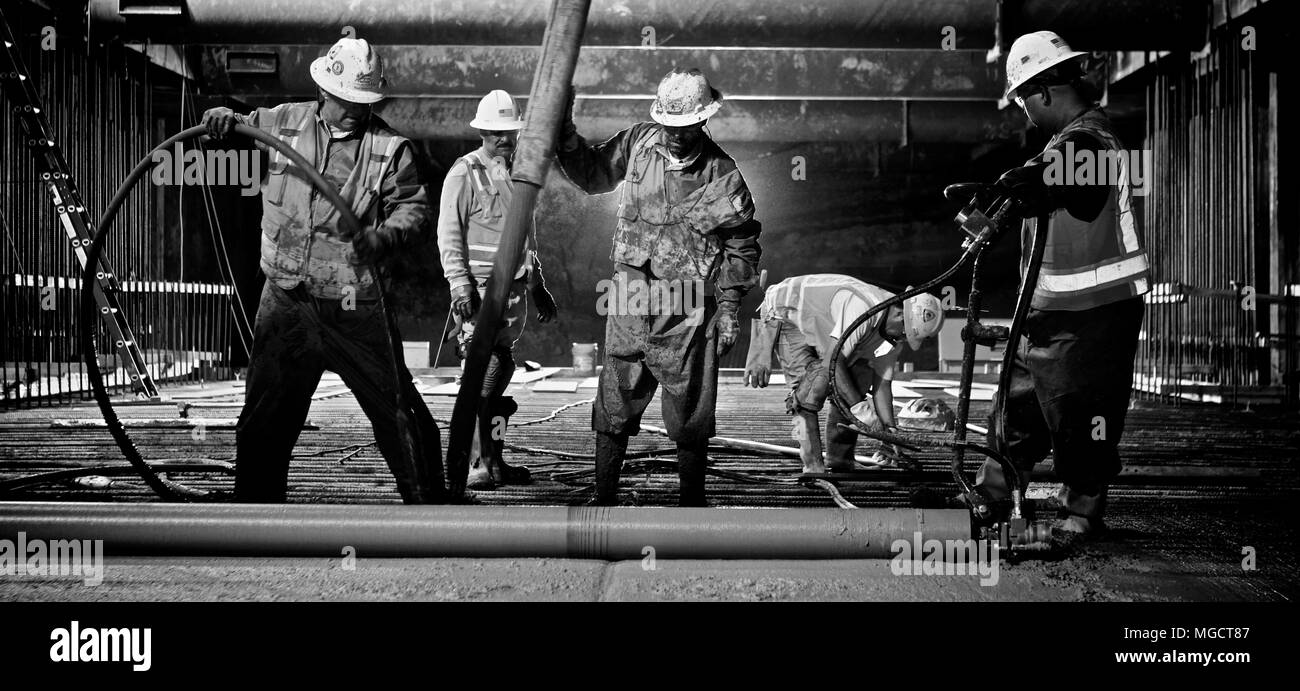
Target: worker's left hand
(1028, 186)
(728, 325)
(546, 307)
(757, 375)
(370, 246)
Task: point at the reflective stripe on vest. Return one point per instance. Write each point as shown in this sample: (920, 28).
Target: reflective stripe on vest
(1102, 276)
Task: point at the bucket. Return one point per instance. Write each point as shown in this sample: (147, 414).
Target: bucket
(584, 359)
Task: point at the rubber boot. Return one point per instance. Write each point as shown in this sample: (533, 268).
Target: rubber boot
(1082, 513)
(691, 461)
(840, 443)
(610, 450)
(809, 435)
(504, 474)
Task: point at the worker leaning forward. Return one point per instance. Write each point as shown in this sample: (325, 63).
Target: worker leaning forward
(1073, 368)
(321, 307)
(686, 237)
(471, 219)
(803, 317)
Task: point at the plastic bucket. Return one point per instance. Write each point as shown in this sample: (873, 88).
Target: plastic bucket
(584, 359)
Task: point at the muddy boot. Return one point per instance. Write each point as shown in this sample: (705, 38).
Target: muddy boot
(840, 443)
(691, 461)
(1081, 513)
(480, 474)
(498, 420)
(806, 432)
(610, 449)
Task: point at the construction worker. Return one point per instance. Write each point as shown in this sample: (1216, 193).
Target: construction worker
(1073, 368)
(322, 307)
(803, 317)
(685, 228)
(471, 218)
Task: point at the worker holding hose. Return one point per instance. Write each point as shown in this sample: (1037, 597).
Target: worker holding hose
(322, 305)
(1073, 368)
(471, 218)
(803, 317)
(686, 232)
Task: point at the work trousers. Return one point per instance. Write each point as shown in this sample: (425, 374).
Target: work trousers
(514, 317)
(295, 339)
(809, 382)
(1069, 394)
(643, 351)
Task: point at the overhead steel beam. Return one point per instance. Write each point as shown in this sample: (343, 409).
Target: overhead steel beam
(782, 73)
(739, 120)
(1087, 24)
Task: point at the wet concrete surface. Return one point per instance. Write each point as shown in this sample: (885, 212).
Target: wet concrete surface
(1181, 537)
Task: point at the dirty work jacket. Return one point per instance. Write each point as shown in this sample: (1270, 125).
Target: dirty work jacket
(696, 223)
(374, 170)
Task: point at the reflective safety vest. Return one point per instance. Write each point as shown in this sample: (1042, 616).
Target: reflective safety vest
(1089, 264)
(816, 304)
(492, 195)
(676, 238)
(300, 242)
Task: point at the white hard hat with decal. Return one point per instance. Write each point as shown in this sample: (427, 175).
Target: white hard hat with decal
(1033, 54)
(497, 112)
(922, 318)
(351, 70)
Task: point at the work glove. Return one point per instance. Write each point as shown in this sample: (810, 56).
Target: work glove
(369, 246)
(1026, 185)
(758, 374)
(546, 307)
(727, 324)
(220, 121)
(465, 301)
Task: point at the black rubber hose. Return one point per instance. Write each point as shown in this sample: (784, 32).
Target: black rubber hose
(1027, 288)
(91, 274)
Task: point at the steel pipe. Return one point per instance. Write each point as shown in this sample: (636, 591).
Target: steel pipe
(316, 530)
(1087, 24)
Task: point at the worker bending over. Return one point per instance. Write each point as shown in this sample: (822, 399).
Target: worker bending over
(803, 317)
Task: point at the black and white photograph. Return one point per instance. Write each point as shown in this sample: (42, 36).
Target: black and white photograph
(947, 309)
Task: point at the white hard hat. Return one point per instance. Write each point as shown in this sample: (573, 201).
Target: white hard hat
(684, 98)
(922, 318)
(1033, 54)
(497, 111)
(351, 70)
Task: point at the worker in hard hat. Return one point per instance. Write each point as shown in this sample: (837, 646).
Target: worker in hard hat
(471, 219)
(322, 307)
(685, 223)
(803, 317)
(1071, 377)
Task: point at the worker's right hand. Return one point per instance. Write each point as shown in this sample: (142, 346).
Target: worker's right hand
(567, 128)
(220, 121)
(757, 375)
(465, 301)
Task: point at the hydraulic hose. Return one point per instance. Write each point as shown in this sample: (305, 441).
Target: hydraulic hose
(91, 276)
(1027, 287)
